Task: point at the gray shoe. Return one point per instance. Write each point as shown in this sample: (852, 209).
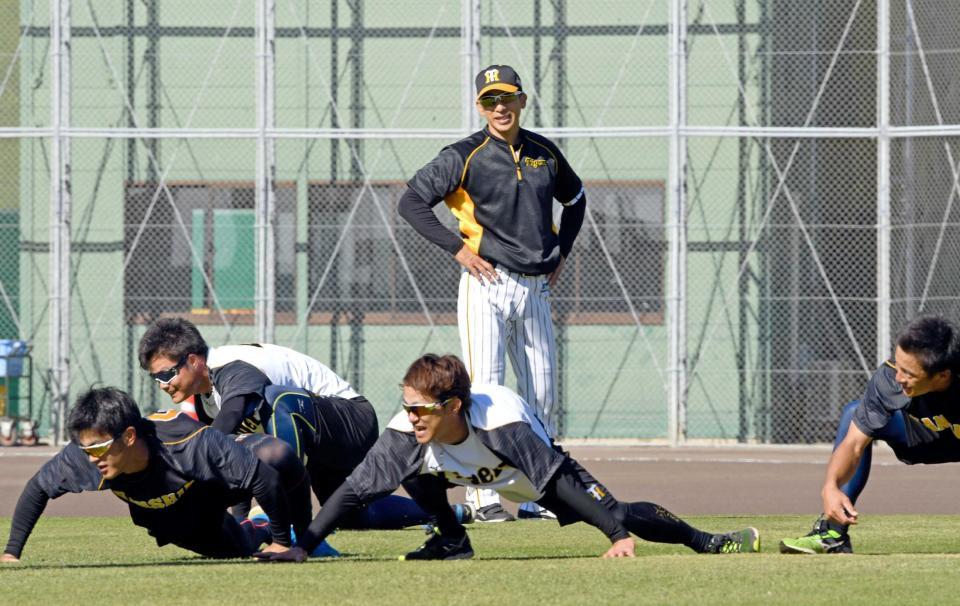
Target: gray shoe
(493, 513)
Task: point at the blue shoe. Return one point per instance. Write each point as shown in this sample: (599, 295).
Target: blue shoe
(323, 550)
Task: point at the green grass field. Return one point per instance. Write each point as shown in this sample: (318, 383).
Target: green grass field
(98, 561)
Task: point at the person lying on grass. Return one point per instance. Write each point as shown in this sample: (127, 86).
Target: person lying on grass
(177, 476)
(452, 433)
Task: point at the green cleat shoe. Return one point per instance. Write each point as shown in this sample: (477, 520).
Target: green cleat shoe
(740, 541)
(824, 538)
(827, 541)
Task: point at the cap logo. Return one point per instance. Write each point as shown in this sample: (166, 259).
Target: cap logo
(492, 75)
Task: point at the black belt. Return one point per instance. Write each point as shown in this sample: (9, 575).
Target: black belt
(513, 271)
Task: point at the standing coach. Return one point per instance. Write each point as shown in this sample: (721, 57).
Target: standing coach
(500, 183)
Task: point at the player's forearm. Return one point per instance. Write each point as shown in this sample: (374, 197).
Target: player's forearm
(30, 506)
(417, 212)
(270, 495)
(842, 465)
(341, 502)
(571, 220)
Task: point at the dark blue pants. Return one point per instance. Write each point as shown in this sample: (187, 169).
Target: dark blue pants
(894, 432)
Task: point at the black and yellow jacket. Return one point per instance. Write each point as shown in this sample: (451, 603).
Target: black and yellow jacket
(502, 197)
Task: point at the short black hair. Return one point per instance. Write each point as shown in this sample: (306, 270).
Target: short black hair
(174, 338)
(440, 377)
(105, 409)
(934, 341)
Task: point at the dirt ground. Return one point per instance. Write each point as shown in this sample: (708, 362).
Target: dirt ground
(687, 480)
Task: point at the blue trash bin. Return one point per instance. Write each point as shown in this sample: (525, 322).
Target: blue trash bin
(12, 353)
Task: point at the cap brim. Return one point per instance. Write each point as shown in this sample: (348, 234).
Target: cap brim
(507, 88)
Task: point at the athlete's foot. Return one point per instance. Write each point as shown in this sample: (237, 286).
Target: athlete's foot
(822, 539)
(740, 541)
(532, 511)
(493, 513)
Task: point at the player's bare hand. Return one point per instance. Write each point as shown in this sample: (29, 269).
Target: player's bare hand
(279, 553)
(555, 274)
(837, 506)
(624, 548)
(9, 557)
(479, 268)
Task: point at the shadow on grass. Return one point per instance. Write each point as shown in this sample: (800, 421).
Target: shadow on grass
(345, 557)
(180, 562)
(484, 558)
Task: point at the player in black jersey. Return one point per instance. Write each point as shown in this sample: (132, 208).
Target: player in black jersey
(912, 404)
(263, 388)
(177, 476)
(455, 433)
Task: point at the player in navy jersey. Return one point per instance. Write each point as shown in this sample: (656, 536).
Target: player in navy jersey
(452, 433)
(177, 476)
(911, 403)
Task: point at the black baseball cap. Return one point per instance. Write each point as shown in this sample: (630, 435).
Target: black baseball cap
(498, 77)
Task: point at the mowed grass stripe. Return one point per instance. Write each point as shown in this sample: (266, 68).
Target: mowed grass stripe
(900, 559)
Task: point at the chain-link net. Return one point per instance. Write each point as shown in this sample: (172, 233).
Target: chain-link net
(724, 284)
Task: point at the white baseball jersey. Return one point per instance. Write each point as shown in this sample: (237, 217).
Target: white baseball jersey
(282, 365)
(472, 462)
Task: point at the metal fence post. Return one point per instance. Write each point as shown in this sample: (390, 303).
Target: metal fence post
(266, 173)
(883, 181)
(676, 230)
(470, 60)
(59, 217)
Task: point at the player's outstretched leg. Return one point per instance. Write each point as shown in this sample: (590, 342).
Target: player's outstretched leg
(652, 522)
(391, 512)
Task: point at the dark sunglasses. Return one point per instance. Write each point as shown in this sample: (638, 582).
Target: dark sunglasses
(165, 376)
(491, 101)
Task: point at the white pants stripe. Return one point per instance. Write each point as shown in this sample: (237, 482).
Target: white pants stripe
(510, 318)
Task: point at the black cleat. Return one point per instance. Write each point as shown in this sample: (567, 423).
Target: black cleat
(438, 547)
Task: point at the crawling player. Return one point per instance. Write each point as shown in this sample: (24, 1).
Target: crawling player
(177, 476)
(486, 435)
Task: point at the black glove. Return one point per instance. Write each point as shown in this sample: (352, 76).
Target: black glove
(294, 554)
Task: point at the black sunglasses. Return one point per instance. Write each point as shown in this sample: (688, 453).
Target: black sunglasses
(491, 101)
(165, 376)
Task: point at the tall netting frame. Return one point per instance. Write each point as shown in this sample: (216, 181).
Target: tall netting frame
(771, 192)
